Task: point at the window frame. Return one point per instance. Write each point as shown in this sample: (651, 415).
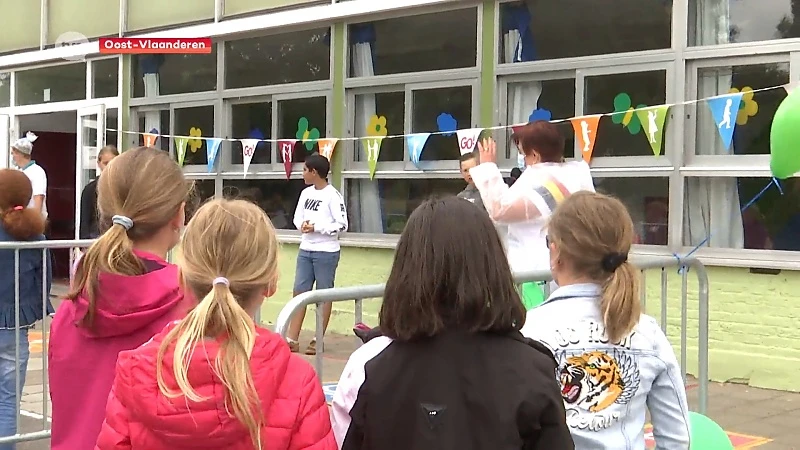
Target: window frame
(731, 161)
(229, 170)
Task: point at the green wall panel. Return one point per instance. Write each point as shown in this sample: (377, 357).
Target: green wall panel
(233, 7)
(20, 24)
(91, 18)
(145, 14)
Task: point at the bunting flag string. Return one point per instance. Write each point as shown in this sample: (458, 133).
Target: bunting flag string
(725, 109)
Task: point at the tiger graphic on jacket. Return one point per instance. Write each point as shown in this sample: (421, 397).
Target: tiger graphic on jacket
(595, 380)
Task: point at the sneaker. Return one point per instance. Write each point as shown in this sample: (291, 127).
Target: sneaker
(294, 346)
(311, 350)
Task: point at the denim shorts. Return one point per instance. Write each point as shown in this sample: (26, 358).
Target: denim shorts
(315, 268)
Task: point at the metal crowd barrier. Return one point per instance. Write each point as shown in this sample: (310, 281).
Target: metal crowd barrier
(684, 267)
(44, 247)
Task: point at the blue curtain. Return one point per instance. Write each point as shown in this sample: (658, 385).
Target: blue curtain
(517, 17)
(150, 63)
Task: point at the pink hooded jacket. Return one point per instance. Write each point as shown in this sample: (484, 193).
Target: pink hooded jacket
(129, 311)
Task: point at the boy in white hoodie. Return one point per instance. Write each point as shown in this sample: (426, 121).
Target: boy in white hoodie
(320, 215)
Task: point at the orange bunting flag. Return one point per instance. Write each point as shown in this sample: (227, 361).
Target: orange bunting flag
(327, 146)
(585, 133)
(150, 139)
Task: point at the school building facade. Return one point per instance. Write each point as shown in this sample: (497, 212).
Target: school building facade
(305, 69)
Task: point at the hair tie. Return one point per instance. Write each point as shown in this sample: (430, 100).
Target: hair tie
(612, 261)
(19, 208)
(221, 280)
(124, 222)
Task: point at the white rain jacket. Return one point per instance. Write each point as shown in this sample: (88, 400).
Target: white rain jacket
(528, 203)
(607, 387)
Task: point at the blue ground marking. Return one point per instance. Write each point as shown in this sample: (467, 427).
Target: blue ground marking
(328, 389)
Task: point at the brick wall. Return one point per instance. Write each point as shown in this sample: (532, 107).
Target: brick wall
(754, 319)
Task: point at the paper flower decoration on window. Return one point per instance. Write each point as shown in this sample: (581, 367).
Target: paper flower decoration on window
(195, 144)
(377, 126)
(748, 107)
(307, 136)
(540, 114)
(624, 113)
(447, 124)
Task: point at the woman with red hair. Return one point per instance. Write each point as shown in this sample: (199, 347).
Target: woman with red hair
(526, 205)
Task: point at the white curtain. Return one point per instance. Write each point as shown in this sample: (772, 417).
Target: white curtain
(367, 205)
(711, 208)
(152, 119)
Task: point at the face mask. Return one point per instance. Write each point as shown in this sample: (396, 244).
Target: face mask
(521, 161)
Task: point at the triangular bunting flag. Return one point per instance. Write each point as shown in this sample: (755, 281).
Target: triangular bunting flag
(585, 134)
(180, 148)
(212, 149)
(652, 120)
(724, 109)
(248, 150)
(286, 149)
(416, 143)
(517, 128)
(468, 139)
(327, 146)
(372, 147)
(150, 138)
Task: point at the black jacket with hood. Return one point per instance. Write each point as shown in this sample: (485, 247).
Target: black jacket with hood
(456, 391)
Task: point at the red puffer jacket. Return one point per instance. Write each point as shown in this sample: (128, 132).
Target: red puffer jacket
(140, 417)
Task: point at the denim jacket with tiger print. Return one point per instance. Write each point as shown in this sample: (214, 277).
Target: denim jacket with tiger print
(607, 387)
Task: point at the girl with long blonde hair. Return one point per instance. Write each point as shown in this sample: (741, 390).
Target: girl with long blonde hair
(214, 379)
(614, 362)
(123, 291)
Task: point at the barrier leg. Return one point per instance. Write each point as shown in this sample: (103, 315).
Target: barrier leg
(320, 339)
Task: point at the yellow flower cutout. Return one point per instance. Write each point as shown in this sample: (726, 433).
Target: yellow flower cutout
(377, 127)
(748, 107)
(195, 144)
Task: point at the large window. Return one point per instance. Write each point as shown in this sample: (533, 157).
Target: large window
(624, 134)
(248, 121)
(284, 58)
(155, 75)
(419, 43)
(194, 123)
(51, 84)
(105, 76)
(533, 30)
(277, 197)
(721, 212)
(397, 199)
(713, 22)
(762, 94)
(5, 89)
(647, 200)
(527, 100)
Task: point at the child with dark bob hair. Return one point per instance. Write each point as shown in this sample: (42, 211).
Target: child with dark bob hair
(451, 369)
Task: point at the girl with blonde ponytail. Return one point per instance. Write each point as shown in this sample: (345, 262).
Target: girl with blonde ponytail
(614, 363)
(215, 380)
(124, 291)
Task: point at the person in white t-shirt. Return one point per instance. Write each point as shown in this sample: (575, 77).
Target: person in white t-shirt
(21, 155)
(527, 205)
(320, 216)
